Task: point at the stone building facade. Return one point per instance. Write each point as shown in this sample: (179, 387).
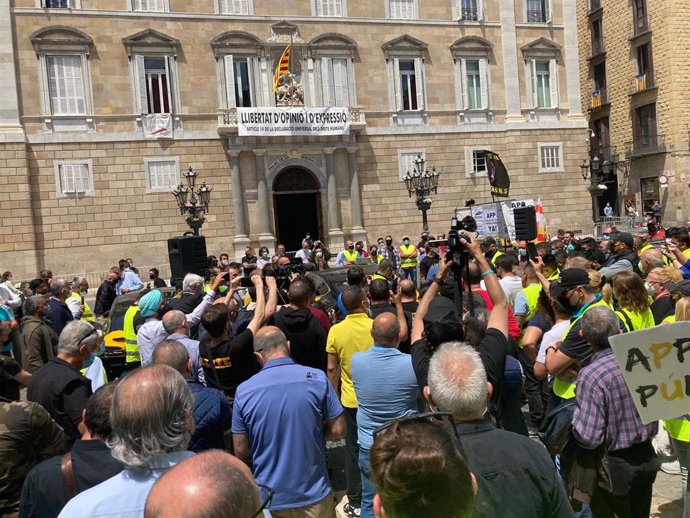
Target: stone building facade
(81, 80)
(634, 75)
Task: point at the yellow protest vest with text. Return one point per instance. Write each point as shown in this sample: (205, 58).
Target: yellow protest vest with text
(566, 389)
(87, 315)
(131, 347)
(408, 262)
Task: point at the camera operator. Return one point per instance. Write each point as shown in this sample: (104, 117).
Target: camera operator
(437, 321)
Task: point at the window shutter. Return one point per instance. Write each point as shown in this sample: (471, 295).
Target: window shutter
(532, 83)
(85, 178)
(463, 83)
(170, 82)
(480, 10)
(229, 67)
(252, 81)
(484, 83)
(340, 82)
(469, 167)
(397, 85)
(326, 80)
(553, 82)
(549, 11)
(140, 83)
(67, 178)
(419, 81)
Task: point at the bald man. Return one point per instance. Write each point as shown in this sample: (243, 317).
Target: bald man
(176, 325)
(386, 389)
(650, 259)
(281, 418)
(213, 484)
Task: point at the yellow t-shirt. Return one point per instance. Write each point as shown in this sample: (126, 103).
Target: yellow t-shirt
(346, 338)
(686, 253)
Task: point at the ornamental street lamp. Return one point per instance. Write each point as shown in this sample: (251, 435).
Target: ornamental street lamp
(193, 204)
(422, 183)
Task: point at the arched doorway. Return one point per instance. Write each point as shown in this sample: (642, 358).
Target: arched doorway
(297, 207)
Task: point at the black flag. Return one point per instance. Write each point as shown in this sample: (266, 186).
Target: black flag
(498, 176)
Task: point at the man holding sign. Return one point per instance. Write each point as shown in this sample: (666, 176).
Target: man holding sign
(606, 415)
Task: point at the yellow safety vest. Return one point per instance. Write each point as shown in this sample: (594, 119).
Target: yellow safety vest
(351, 256)
(679, 429)
(408, 262)
(671, 319)
(566, 389)
(378, 276)
(639, 321)
(496, 256)
(532, 295)
(131, 347)
(87, 315)
(554, 276)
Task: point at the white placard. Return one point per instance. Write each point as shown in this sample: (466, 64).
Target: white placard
(653, 362)
(157, 126)
(295, 121)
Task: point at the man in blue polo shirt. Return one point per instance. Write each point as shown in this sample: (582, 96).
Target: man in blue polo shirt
(281, 418)
(386, 389)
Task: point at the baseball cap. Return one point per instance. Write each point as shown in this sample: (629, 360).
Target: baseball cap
(623, 237)
(441, 322)
(406, 237)
(488, 241)
(573, 277)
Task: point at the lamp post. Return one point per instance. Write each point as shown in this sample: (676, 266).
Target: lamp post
(193, 203)
(422, 183)
(599, 173)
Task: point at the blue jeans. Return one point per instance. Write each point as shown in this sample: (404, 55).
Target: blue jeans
(410, 273)
(368, 488)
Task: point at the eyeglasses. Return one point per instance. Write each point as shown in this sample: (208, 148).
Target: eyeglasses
(433, 417)
(266, 498)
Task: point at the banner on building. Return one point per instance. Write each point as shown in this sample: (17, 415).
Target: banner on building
(498, 175)
(157, 126)
(293, 121)
(654, 368)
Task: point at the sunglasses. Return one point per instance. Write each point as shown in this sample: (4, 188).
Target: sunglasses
(266, 498)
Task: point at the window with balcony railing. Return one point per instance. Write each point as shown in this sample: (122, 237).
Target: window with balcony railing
(538, 11)
(644, 78)
(646, 139)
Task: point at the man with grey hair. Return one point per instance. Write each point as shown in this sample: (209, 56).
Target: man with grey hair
(515, 475)
(192, 295)
(76, 302)
(152, 422)
(39, 341)
(60, 313)
(605, 416)
(281, 418)
(59, 385)
(212, 412)
(650, 259)
(176, 325)
(386, 389)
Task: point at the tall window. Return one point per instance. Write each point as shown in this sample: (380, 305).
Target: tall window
(470, 10)
(240, 88)
(542, 83)
(646, 125)
(66, 85)
(334, 81)
(538, 11)
(150, 5)
(640, 9)
(234, 7)
(157, 84)
(408, 86)
(597, 37)
(329, 8)
(402, 9)
(644, 77)
(73, 179)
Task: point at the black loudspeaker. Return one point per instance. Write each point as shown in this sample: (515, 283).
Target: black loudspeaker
(525, 223)
(187, 254)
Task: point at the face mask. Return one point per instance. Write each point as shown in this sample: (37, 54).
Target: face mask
(606, 237)
(265, 255)
(389, 242)
(489, 255)
(568, 306)
(641, 267)
(83, 293)
(650, 289)
(350, 247)
(406, 242)
(522, 253)
(152, 277)
(319, 254)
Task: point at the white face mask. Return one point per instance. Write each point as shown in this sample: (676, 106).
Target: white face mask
(319, 254)
(650, 289)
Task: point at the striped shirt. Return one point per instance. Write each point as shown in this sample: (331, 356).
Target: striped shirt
(605, 412)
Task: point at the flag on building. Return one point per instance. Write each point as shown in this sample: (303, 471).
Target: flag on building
(498, 175)
(596, 99)
(541, 221)
(641, 82)
(282, 68)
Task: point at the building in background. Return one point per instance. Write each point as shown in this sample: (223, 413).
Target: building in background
(635, 77)
(89, 87)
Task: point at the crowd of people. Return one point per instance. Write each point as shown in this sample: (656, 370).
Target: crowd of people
(235, 387)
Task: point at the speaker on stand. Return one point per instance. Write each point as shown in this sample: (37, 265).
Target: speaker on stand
(187, 254)
(525, 223)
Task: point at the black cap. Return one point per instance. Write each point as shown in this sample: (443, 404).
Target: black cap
(573, 277)
(488, 241)
(624, 237)
(441, 322)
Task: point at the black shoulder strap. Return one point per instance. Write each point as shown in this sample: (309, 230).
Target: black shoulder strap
(627, 320)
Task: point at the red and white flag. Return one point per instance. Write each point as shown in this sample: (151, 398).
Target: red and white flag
(541, 222)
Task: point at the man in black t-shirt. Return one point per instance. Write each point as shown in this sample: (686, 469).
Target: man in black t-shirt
(226, 361)
(379, 295)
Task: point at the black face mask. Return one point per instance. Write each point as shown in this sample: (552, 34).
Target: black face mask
(389, 242)
(489, 255)
(152, 277)
(565, 302)
(350, 247)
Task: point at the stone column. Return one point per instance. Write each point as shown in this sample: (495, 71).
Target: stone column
(511, 76)
(358, 232)
(335, 232)
(266, 238)
(241, 238)
(571, 53)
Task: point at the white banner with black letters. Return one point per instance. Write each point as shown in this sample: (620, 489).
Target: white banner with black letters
(293, 121)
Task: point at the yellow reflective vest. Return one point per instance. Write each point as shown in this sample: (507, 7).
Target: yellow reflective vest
(350, 256)
(496, 256)
(131, 347)
(87, 315)
(679, 429)
(566, 389)
(634, 321)
(409, 262)
(532, 295)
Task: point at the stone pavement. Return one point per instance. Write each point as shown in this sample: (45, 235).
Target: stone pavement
(666, 498)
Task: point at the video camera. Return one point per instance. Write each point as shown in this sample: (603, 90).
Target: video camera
(457, 252)
(282, 274)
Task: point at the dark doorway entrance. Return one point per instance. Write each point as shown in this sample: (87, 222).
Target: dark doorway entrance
(610, 195)
(297, 207)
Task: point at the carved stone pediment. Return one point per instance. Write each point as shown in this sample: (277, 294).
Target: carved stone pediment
(285, 32)
(150, 39)
(238, 41)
